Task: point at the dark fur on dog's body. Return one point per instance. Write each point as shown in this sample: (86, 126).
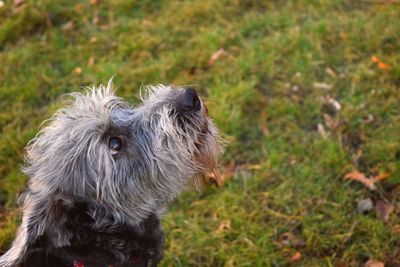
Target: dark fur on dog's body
(142, 243)
(101, 174)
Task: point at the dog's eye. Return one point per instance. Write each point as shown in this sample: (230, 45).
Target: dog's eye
(115, 144)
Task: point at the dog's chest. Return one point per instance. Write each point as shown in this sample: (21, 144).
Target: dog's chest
(91, 243)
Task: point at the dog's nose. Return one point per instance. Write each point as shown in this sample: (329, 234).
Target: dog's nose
(188, 101)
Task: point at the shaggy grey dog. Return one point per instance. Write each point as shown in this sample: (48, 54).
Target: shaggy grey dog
(102, 172)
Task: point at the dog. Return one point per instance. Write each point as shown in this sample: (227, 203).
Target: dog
(102, 172)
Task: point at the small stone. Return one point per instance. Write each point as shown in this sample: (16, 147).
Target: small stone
(365, 205)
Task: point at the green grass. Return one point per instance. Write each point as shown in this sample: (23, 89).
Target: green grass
(283, 176)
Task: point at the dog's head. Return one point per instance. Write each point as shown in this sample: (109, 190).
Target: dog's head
(131, 160)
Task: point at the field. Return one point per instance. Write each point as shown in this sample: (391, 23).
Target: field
(306, 93)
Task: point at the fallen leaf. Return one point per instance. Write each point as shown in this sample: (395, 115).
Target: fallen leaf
(93, 39)
(396, 229)
(368, 119)
(383, 66)
(296, 257)
(324, 86)
(94, 2)
(368, 182)
(79, 7)
(78, 70)
(383, 210)
(334, 103)
(381, 177)
(360, 177)
(374, 263)
(330, 72)
(216, 55)
(321, 131)
(380, 63)
(67, 26)
(223, 226)
(265, 130)
(91, 61)
(375, 59)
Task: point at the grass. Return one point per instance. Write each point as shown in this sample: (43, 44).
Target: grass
(284, 191)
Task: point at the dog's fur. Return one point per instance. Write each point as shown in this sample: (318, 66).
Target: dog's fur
(86, 202)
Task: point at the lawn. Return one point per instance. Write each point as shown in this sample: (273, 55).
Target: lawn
(306, 93)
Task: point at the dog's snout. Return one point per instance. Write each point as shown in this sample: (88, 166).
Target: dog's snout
(188, 101)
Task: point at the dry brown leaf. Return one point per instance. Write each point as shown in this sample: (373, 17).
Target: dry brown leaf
(396, 229)
(381, 177)
(360, 177)
(264, 130)
(91, 61)
(374, 263)
(94, 2)
(223, 226)
(368, 182)
(330, 72)
(383, 210)
(216, 55)
(78, 70)
(380, 63)
(79, 7)
(296, 257)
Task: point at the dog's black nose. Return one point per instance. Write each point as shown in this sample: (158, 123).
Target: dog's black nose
(188, 101)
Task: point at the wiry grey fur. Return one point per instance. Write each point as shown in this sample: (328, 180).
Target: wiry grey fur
(71, 157)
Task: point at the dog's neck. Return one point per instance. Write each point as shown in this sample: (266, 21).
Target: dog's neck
(80, 231)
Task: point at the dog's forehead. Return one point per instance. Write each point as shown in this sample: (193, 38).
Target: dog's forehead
(123, 116)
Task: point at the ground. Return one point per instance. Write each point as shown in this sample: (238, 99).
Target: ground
(305, 92)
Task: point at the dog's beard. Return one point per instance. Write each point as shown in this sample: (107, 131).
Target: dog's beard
(202, 142)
